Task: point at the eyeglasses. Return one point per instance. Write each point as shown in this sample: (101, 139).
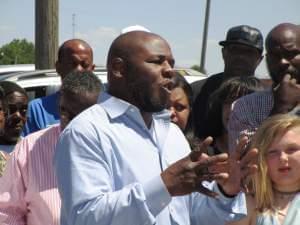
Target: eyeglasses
(13, 108)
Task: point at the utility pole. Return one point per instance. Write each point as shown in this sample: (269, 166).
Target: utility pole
(46, 33)
(204, 39)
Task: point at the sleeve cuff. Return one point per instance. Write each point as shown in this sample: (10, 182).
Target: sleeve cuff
(157, 195)
(237, 204)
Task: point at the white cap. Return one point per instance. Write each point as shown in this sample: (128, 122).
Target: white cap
(134, 28)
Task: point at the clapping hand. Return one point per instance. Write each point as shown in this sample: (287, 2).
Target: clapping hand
(241, 164)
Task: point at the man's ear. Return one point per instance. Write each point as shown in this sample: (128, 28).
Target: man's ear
(93, 67)
(58, 68)
(118, 67)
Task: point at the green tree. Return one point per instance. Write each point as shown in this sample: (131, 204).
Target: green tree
(17, 52)
(196, 67)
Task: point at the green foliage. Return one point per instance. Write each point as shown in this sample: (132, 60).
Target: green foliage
(196, 67)
(17, 52)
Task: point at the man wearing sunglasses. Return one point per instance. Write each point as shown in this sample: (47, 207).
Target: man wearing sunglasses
(17, 100)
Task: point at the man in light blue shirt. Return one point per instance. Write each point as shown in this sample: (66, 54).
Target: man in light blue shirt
(123, 162)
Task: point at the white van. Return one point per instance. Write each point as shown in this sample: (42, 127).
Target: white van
(7, 69)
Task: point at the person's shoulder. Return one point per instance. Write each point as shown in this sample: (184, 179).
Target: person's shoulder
(212, 77)
(99, 115)
(94, 116)
(208, 86)
(219, 77)
(213, 82)
(29, 147)
(198, 83)
(43, 100)
(254, 107)
(90, 126)
(197, 87)
(90, 113)
(52, 97)
(33, 137)
(257, 96)
(216, 76)
(49, 132)
(36, 134)
(34, 102)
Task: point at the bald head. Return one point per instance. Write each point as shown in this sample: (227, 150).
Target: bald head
(74, 55)
(130, 43)
(282, 33)
(127, 46)
(283, 51)
(139, 67)
(71, 46)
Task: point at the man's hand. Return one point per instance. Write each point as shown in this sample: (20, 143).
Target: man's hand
(186, 175)
(286, 95)
(241, 164)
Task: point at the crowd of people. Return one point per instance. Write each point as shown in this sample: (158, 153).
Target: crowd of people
(150, 148)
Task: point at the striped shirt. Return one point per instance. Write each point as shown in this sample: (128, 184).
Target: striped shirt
(28, 187)
(248, 113)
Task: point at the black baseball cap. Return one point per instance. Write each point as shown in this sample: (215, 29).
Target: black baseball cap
(244, 35)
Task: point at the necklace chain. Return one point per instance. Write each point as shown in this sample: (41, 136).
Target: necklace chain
(283, 193)
(285, 196)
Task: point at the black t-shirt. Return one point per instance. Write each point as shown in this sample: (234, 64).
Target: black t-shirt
(200, 105)
(196, 87)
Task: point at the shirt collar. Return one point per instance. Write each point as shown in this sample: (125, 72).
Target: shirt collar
(116, 107)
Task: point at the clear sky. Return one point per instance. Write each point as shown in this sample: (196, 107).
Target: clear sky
(180, 22)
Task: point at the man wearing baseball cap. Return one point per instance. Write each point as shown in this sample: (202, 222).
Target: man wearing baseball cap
(242, 52)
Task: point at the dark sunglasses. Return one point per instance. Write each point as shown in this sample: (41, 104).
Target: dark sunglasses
(13, 108)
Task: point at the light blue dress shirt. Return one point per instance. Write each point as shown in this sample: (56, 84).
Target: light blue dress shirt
(108, 165)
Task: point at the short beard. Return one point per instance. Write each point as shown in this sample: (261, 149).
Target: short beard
(144, 101)
(140, 93)
(11, 139)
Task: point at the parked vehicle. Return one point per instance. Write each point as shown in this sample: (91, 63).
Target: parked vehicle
(7, 69)
(40, 83)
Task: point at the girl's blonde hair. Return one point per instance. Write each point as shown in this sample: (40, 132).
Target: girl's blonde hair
(270, 129)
